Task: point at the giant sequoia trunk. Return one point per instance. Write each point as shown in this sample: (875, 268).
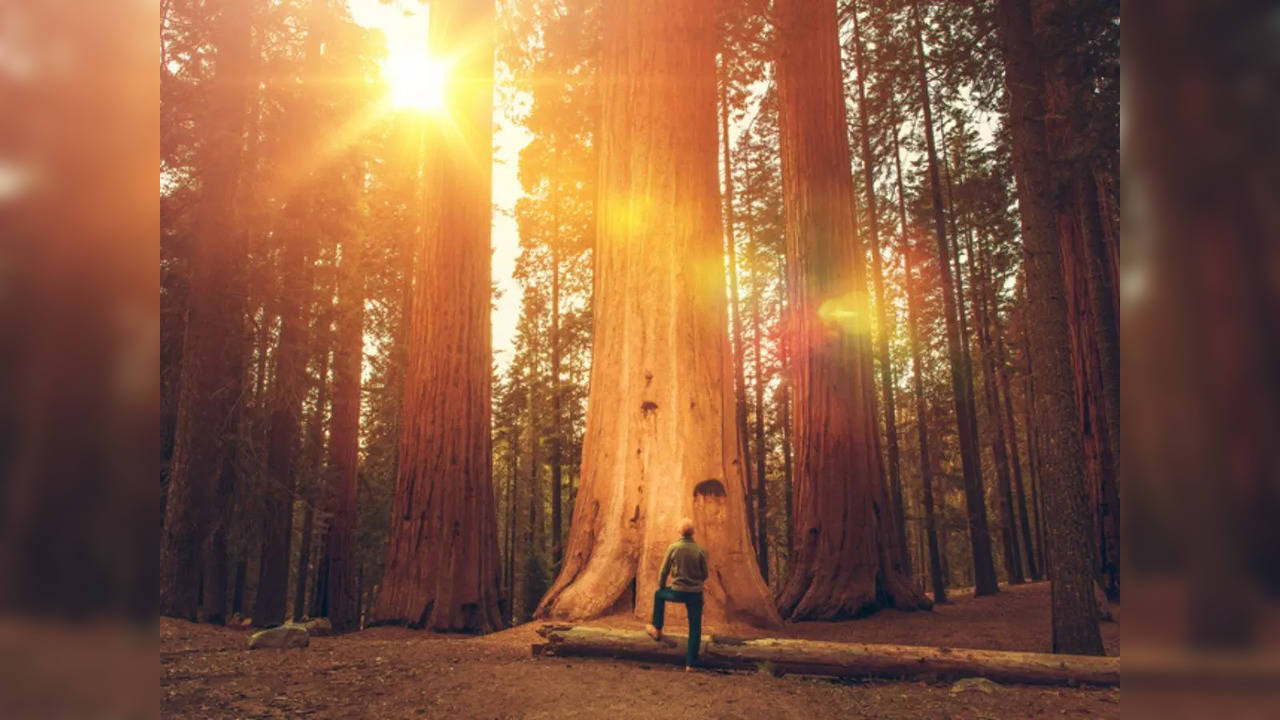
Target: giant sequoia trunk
(661, 439)
(1068, 533)
(984, 571)
(845, 560)
(442, 567)
(209, 391)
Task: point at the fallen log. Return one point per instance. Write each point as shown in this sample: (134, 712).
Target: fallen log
(811, 657)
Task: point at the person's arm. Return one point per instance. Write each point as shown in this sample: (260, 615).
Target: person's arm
(702, 565)
(666, 569)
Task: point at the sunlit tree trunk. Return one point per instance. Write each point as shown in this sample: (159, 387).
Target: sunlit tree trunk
(984, 571)
(883, 326)
(936, 576)
(442, 567)
(845, 560)
(1068, 527)
(210, 387)
(661, 439)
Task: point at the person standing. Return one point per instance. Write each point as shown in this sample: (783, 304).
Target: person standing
(686, 564)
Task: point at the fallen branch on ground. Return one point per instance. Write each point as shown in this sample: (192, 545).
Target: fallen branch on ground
(812, 657)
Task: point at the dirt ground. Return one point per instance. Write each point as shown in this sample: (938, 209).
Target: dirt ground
(207, 672)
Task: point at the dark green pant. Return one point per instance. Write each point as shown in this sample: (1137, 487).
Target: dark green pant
(693, 606)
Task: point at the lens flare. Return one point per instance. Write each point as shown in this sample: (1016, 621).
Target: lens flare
(417, 81)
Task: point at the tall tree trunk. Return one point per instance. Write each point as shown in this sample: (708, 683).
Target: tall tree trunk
(337, 571)
(1033, 440)
(210, 387)
(285, 424)
(512, 486)
(296, 272)
(784, 390)
(762, 501)
(845, 558)
(557, 462)
(1075, 612)
(754, 519)
(883, 327)
(322, 341)
(1087, 263)
(999, 448)
(661, 440)
(237, 591)
(984, 571)
(936, 576)
(442, 563)
(1007, 417)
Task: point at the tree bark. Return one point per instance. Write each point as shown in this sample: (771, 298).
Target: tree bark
(812, 657)
(661, 439)
(1075, 612)
(442, 562)
(936, 575)
(210, 387)
(883, 327)
(845, 560)
(984, 571)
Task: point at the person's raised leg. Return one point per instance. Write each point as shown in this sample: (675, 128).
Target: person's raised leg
(694, 607)
(660, 599)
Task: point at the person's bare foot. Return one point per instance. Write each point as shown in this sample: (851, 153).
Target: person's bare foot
(654, 632)
(688, 668)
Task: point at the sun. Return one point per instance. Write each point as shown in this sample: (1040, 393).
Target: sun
(417, 81)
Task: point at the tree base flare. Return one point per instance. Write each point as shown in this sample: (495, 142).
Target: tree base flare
(834, 659)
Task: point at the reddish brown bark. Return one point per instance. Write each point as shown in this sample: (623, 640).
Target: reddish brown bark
(442, 567)
(661, 439)
(845, 559)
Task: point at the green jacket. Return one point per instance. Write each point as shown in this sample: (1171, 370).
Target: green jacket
(686, 562)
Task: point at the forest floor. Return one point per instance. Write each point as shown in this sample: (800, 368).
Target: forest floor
(208, 672)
